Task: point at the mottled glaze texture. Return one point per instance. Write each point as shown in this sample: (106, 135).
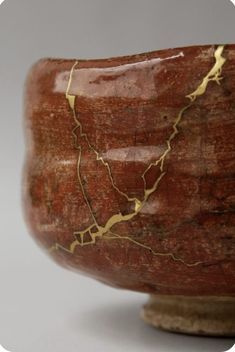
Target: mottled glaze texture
(130, 168)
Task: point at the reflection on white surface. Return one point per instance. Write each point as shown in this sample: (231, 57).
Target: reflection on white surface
(49, 309)
(2, 349)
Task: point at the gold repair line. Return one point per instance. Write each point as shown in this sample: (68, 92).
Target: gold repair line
(213, 75)
(159, 254)
(161, 160)
(71, 99)
(106, 164)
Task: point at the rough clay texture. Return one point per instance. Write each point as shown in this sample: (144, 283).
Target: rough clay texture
(192, 315)
(130, 168)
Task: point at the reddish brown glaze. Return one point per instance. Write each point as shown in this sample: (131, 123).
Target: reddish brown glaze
(90, 162)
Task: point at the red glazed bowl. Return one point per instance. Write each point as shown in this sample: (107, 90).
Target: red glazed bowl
(130, 177)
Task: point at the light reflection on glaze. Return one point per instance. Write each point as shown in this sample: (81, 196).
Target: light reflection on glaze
(95, 230)
(127, 84)
(142, 154)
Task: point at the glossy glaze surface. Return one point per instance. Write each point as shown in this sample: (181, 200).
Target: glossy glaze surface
(130, 170)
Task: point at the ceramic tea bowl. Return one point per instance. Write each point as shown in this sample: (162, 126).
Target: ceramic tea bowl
(130, 177)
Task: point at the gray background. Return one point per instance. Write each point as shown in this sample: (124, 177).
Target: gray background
(43, 307)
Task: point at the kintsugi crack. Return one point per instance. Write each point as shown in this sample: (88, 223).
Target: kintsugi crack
(129, 174)
(105, 231)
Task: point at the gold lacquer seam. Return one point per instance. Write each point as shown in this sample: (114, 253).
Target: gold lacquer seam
(106, 231)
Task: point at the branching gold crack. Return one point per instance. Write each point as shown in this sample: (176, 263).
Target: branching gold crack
(159, 254)
(213, 75)
(106, 231)
(71, 99)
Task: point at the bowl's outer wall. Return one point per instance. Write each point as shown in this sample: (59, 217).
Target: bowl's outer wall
(93, 129)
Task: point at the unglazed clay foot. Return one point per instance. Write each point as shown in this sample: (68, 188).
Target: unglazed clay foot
(200, 315)
(130, 177)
